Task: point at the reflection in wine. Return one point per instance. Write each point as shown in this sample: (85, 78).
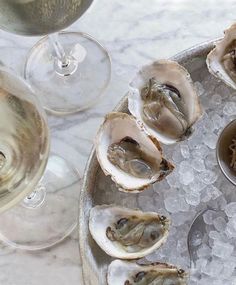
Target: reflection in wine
(24, 146)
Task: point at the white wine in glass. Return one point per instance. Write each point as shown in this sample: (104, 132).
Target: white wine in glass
(38, 188)
(24, 144)
(68, 70)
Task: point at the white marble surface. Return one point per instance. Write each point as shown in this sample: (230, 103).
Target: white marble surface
(135, 32)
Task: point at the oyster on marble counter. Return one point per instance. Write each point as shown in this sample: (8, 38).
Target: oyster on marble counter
(131, 273)
(162, 96)
(125, 233)
(129, 154)
(221, 61)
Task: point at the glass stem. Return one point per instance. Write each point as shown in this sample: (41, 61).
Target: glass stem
(36, 198)
(60, 52)
(64, 64)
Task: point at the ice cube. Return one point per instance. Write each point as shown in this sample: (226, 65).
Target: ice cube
(211, 192)
(208, 177)
(197, 185)
(231, 228)
(196, 139)
(205, 196)
(175, 203)
(203, 251)
(184, 166)
(214, 235)
(219, 224)
(230, 109)
(200, 151)
(184, 148)
(208, 125)
(172, 204)
(210, 160)
(181, 245)
(228, 270)
(218, 121)
(222, 250)
(210, 140)
(183, 205)
(215, 192)
(198, 164)
(177, 156)
(192, 198)
(216, 99)
(200, 263)
(187, 177)
(213, 268)
(179, 219)
(173, 179)
(209, 217)
(230, 209)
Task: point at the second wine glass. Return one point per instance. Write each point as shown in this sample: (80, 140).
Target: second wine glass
(68, 70)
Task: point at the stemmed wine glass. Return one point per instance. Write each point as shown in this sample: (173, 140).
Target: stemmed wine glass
(45, 181)
(69, 71)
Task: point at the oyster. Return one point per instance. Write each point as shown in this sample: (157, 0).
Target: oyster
(130, 273)
(163, 98)
(125, 233)
(221, 61)
(128, 154)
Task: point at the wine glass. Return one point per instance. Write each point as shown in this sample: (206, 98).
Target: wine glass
(38, 188)
(68, 70)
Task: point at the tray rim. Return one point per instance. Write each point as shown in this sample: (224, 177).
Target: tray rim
(92, 163)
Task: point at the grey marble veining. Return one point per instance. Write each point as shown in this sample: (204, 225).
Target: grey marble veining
(135, 32)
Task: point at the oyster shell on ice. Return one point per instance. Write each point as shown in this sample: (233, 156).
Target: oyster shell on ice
(130, 273)
(162, 96)
(125, 233)
(128, 154)
(221, 61)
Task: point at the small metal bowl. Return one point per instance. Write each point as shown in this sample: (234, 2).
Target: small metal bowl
(223, 152)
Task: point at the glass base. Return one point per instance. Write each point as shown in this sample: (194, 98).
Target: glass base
(49, 214)
(80, 82)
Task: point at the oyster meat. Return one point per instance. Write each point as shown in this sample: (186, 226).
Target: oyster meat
(131, 158)
(163, 98)
(128, 154)
(221, 61)
(130, 273)
(125, 233)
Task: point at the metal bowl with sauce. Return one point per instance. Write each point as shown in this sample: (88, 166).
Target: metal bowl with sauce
(223, 153)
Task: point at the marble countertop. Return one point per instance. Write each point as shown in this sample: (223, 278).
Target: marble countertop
(135, 33)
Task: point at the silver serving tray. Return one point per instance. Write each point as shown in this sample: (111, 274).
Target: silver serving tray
(94, 260)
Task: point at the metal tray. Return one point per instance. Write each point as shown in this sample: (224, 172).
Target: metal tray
(94, 260)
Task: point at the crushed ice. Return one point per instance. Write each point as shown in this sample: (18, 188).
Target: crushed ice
(195, 184)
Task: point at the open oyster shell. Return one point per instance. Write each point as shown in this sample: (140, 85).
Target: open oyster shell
(221, 61)
(131, 273)
(128, 154)
(163, 98)
(125, 233)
